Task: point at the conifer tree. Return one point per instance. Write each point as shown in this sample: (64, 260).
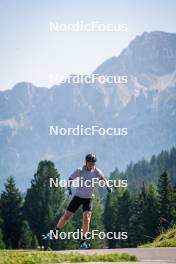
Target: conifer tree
(42, 201)
(166, 208)
(11, 212)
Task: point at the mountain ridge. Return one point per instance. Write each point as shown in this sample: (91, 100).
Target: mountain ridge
(145, 105)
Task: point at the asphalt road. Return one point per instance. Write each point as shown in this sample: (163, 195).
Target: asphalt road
(144, 255)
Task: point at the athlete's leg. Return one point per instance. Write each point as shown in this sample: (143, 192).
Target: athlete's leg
(86, 222)
(71, 209)
(64, 219)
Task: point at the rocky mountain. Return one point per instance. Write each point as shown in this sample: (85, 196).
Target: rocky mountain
(145, 105)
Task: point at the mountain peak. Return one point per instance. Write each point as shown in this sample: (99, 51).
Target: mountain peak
(150, 53)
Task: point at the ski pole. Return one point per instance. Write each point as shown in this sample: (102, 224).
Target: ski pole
(62, 204)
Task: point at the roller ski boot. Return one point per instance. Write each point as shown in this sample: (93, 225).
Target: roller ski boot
(84, 245)
(48, 236)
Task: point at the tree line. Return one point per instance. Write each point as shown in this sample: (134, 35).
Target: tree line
(144, 214)
(142, 210)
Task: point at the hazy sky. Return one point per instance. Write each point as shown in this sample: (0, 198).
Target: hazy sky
(30, 52)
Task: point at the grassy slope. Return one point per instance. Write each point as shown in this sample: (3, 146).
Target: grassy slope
(38, 257)
(165, 239)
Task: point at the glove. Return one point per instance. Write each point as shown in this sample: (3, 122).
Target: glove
(109, 189)
(69, 191)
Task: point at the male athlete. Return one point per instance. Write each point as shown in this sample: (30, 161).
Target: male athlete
(83, 196)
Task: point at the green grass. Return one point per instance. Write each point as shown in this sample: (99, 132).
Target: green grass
(36, 257)
(165, 239)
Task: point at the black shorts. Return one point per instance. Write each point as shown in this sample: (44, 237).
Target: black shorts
(77, 201)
